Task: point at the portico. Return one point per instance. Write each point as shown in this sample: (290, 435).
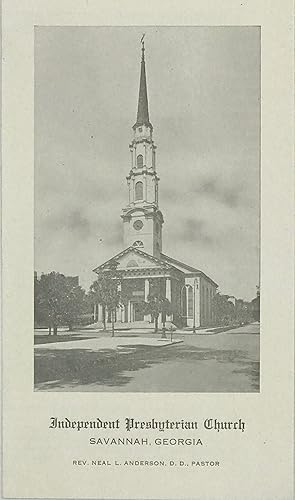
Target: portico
(139, 274)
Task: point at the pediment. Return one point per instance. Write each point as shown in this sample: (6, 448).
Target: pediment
(132, 258)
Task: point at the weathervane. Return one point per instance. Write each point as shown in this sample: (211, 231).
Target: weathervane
(142, 43)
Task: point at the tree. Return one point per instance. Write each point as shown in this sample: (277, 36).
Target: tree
(153, 307)
(97, 295)
(106, 291)
(255, 306)
(157, 304)
(49, 291)
(58, 301)
(73, 305)
(228, 313)
(223, 310)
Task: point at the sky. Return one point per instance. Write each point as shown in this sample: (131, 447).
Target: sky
(204, 103)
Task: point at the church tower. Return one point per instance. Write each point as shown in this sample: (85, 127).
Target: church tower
(142, 219)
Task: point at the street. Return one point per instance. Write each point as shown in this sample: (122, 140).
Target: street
(220, 362)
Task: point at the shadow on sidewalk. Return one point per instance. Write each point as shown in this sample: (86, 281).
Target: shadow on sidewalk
(72, 368)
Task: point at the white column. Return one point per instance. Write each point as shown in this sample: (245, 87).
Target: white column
(118, 314)
(94, 313)
(146, 289)
(99, 313)
(168, 295)
(198, 303)
(168, 289)
(145, 187)
(131, 311)
(147, 317)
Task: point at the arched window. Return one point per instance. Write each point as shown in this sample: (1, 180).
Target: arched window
(190, 302)
(132, 263)
(139, 191)
(138, 243)
(183, 302)
(139, 161)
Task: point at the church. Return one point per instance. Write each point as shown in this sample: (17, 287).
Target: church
(142, 263)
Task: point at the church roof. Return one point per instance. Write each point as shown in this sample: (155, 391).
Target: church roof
(115, 260)
(143, 107)
(185, 267)
(164, 262)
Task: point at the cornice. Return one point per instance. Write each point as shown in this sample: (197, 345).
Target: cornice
(140, 140)
(142, 171)
(149, 210)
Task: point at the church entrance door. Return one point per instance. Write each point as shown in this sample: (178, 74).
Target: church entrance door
(138, 311)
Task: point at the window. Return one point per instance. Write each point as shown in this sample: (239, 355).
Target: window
(138, 243)
(132, 263)
(187, 301)
(139, 191)
(190, 302)
(139, 161)
(183, 301)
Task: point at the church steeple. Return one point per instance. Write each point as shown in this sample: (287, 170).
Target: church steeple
(143, 107)
(141, 217)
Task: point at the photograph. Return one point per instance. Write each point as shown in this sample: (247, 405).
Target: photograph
(147, 155)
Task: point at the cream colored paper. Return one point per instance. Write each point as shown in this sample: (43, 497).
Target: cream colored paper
(256, 464)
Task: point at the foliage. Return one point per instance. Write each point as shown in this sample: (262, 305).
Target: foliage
(255, 305)
(106, 291)
(58, 300)
(228, 313)
(157, 304)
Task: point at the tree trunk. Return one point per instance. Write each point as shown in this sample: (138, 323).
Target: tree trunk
(164, 336)
(55, 330)
(49, 330)
(113, 323)
(156, 324)
(70, 328)
(104, 318)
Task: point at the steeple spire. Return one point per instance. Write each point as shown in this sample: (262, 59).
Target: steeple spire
(143, 108)
(142, 217)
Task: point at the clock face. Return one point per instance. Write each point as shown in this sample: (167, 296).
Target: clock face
(138, 225)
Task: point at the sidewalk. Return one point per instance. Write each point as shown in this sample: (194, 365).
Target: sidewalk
(102, 343)
(150, 331)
